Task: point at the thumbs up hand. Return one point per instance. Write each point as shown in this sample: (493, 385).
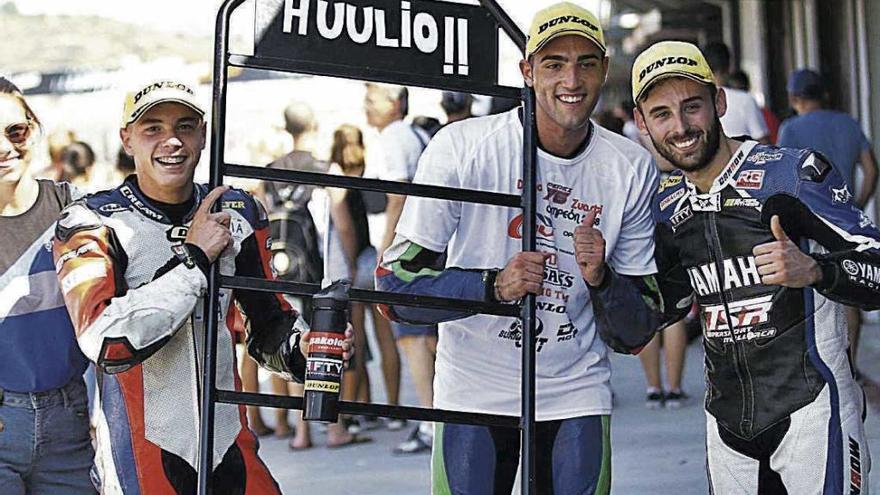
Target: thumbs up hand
(781, 262)
(589, 250)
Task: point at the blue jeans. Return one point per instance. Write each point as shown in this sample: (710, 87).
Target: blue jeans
(44, 442)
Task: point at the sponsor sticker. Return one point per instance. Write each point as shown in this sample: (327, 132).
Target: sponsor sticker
(861, 273)
(322, 386)
(112, 208)
(91, 270)
(668, 182)
(750, 179)
(680, 217)
(746, 316)
(672, 198)
(742, 203)
(75, 253)
(864, 221)
(557, 194)
(763, 157)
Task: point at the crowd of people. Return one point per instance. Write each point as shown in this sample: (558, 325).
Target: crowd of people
(675, 209)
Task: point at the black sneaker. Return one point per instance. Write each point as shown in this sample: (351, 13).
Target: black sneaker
(675, 400)
(654, 400)
(416, 443)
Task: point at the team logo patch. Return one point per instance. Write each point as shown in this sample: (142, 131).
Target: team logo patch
(668, 182)
(672, 198)
(841, 195)
(706, 202)
(850, 267)
(742, 203)
(750, 179)
(862, 273)
(762, 157)
(740, 320)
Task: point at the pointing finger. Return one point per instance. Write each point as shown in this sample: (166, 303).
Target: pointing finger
(210, 199)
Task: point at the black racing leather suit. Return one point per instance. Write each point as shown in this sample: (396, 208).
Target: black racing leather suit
(769, 349)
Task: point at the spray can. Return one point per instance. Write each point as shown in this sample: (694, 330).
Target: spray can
(324, 364)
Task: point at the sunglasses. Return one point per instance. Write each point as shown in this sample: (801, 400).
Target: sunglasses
(17, 134)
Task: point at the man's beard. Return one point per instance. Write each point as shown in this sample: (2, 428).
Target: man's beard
(704, 155)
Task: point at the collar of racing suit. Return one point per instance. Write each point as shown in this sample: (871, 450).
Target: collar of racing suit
(156, 210)
(727, 173)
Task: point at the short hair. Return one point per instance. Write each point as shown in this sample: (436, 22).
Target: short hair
(718, 56)
(393, 92)
(78, 157)
(738, 80)
(298, 118)
(454, 102)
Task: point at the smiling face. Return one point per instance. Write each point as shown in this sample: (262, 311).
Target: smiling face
(16, 139)
(166, 143)
(567, 75)
(683, 120)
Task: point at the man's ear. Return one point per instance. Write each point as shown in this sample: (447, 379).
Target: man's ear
(204, 134)
(124, 136)
(526, 69)
(606, 62)
(640, 120)
(720, 102)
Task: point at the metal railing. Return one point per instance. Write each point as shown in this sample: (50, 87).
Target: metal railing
(488, 10)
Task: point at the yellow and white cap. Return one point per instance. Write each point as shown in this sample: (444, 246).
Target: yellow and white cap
(146, 96)
(668, 59)
(562, 19)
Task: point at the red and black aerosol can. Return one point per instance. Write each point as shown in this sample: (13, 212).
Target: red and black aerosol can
(324, 365)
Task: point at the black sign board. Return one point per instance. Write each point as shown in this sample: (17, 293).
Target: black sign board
(416, 38)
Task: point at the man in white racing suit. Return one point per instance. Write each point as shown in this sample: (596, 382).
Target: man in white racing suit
(132, 264)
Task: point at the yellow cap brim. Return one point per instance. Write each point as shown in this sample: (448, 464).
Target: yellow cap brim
(565, 32)
(667, 75)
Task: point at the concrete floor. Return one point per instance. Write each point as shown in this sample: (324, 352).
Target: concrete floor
(658, 452)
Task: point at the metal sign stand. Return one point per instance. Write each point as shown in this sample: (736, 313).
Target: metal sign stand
(419, 30)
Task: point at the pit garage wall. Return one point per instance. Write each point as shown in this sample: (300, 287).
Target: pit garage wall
(840, 39)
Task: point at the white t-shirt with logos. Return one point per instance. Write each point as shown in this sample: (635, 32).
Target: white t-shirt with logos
(479, 357)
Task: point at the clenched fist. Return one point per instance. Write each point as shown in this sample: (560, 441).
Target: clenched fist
(523, 275)
(589, 250)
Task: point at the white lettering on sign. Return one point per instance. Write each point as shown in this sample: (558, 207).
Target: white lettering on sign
(365, 24)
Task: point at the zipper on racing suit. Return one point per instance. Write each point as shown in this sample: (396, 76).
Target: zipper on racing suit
(739, 360)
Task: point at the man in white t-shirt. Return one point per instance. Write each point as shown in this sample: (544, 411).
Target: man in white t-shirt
(744, 116)
(594, 236)
(402, 143)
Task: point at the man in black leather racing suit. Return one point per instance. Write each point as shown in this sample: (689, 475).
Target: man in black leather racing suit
(769, 242)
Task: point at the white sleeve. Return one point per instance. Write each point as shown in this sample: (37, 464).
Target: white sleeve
(755, 122)
(431, 222)
(400, 149)
(634, 252)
